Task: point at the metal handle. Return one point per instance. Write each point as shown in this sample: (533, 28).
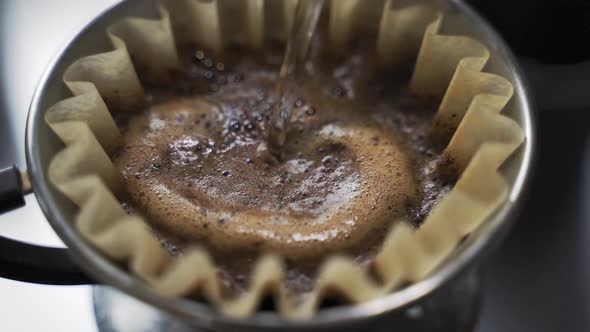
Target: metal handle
(12, 193)
(28, 262)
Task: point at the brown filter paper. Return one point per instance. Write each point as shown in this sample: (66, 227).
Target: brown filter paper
(479, 140)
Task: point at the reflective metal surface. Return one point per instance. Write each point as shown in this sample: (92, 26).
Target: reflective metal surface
(417, 294)
(41, 145)
(454, 308)
(537, 281)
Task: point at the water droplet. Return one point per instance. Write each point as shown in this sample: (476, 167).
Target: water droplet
(238, 77)
(234, 125)
(327, 161)
(299, 102)
(310, 110)
(250, 161)
(208, 62)
(258, 117)
(225, 173)
(338, 92)
(249, 126)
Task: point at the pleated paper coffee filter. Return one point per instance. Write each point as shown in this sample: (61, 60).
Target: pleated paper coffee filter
(447, 67)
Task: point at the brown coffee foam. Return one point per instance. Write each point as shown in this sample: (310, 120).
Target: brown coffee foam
(406, 255)
(351, 210)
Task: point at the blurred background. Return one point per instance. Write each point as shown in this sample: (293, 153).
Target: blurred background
(538, 279)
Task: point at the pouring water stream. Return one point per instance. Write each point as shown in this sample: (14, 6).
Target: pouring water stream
(292, 73)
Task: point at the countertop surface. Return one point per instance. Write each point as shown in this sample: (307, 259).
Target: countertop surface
(537, 280)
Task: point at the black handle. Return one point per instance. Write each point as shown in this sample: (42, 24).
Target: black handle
(12, 194)
(27, 262)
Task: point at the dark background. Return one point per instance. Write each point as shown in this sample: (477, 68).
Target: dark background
(539, 280)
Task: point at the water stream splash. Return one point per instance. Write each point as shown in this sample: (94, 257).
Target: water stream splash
(292, 72)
